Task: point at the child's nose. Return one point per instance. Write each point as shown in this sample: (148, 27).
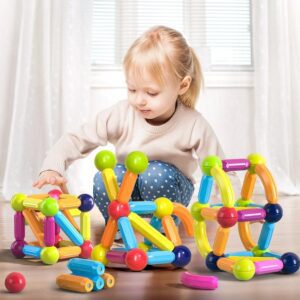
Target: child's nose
(140, 99)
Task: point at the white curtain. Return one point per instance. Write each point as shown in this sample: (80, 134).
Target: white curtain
(276, 110)
(50, 86)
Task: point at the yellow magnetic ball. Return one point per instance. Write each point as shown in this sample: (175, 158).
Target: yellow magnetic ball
(99, 254)
(256, 159)
(196, 211)
(164, 207)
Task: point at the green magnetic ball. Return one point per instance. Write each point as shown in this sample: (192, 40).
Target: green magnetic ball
(105, 160)
(49, 255)
(243, 202)
(49, 207)
(259, 252)
(196, 211)
(16, 202)
(244, 269)
(209, 162)
(136, 162)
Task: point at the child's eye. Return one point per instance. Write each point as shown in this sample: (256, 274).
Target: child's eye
(131, 90)
(152, 94)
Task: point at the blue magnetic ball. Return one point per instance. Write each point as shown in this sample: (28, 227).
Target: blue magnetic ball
(291, 263)
(182, 256)
(87, 202)
(273, 212)
(211, 261)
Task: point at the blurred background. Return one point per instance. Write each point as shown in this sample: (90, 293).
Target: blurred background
(61, 61)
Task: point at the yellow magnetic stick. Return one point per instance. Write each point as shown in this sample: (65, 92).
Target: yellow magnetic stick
(69, 252)
(253, 258)
(154, 236)
(224, 185)
(185, 216)
(245, 235)
(68, 203)
(221, 240)
(201, 238)
(111, 183)
(32, 203)
(85, 225)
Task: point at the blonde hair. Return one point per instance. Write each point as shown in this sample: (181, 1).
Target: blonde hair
(162, 48)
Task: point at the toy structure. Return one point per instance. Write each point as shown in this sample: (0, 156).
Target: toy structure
(257, 259)
(46, 214)
(87, 275)
(124, 215)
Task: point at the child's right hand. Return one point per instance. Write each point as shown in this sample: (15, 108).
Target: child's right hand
(50, 177)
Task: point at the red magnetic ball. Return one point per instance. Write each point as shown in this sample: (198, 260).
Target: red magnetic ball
(15, 282)
(55, 194)
(227, 216)
(136, 259)
(86, 249)
(117, 209)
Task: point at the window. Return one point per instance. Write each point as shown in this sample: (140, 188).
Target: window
(220, 31)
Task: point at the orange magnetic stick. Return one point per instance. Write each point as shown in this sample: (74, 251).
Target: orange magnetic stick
(34, 225)
(127, 187)
(248, 186)
(68, 203)
(109, 233)
(221, 240)
(186, 218)
(209, 213)
(171, 230)
(109, 280)
(245, 235)
(268, 182)
(74, 283)
(69, 252)
(225, 264)
(68, 215)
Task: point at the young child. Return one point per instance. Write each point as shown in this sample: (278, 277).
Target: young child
(163, 77)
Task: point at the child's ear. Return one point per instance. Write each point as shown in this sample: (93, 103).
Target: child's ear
(184, 85)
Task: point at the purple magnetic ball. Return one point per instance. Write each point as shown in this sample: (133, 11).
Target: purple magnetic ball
(87, 202)
(273, 212)
(182, 256)
(17, 248)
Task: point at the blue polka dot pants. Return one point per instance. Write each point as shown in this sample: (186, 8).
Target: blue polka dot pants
(159, 180)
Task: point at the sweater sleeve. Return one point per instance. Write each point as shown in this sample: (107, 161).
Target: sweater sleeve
(104, 127)
(206, 143)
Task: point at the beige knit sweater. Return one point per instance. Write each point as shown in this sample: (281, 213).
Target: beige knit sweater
(183, 141)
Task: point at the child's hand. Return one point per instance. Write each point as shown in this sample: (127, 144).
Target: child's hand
(50, 177)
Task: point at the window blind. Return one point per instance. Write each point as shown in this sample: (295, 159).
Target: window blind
(220, 31)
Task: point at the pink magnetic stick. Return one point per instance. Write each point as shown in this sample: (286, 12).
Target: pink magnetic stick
(49, 229)
(198, 281)
(19, 226)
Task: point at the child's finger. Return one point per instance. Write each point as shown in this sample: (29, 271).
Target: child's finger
(40, 183)
(60, 180)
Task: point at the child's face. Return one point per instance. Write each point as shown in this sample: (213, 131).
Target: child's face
(155, 103)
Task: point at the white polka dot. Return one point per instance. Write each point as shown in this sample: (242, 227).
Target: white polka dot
(151, 187)
(98, 189)
(168, 190)
(170, 176)
(103, 194)
(162, 186)
(149, 174)
(159, 164)
(123, 172)
(146, 181)
(155, 180)
(159, 174)
(166, 180)
(165, 170)
(153, 168)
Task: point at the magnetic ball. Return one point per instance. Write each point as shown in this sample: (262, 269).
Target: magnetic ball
(256, 159)
(105, 160)
(274, 212)
(136, 162)
(118, 209)
(164, 207)
(15, 282)
(99, 254)
(17, 248)
(86, 249)
(16, 202)
(49, 255)
(55, 194)
(290, 262)
(136, 259)
(182, 256)
(87, 202)
(49, 207)
(211, 261)
(243, 269)
(209, 162)
(196, 211)
(227, 217)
